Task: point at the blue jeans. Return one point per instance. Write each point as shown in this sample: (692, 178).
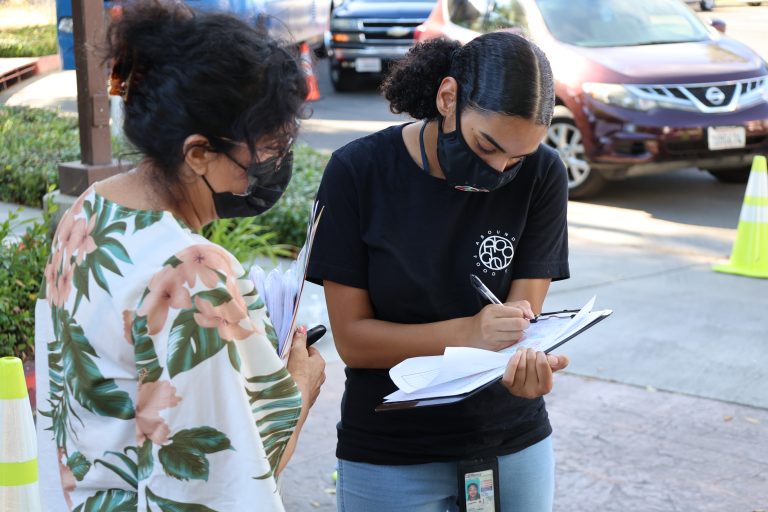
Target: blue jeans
(526, 481)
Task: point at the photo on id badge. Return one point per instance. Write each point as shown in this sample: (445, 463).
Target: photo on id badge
(479, 487)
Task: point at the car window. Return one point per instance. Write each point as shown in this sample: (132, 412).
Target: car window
(505, 14)
(467, 13)
(621, 22)
(488, 15)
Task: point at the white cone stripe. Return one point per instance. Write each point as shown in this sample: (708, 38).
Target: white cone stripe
(757, 214)
(23, 497)
(757, 186)
(19, 441)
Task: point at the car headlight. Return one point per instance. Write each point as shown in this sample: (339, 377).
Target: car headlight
(345, 24)
(617, 94)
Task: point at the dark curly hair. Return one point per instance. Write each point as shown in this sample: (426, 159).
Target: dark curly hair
(496, 72)
(185, 72)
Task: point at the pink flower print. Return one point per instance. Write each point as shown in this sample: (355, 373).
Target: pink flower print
(128, 325)
(203, 261)
(80, 240)
(64, 231)
(68, 481)
(60, 293)
(166, 290)
(78, 206)
(226, 318)
(153, 398)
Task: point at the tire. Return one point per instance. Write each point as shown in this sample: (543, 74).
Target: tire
(737, 175)
(343, 80)
(565, 138)
(707, 5)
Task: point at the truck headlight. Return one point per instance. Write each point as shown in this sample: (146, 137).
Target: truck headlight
(617, 94)
(345, 24)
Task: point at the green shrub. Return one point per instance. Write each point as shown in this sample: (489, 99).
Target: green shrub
(35, 142)
(22, 261)
(28, 41)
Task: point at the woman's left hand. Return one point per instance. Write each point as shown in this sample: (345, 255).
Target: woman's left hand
(529, 373)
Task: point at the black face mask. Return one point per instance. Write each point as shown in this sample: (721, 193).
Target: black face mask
(267, 181)
(463, 169)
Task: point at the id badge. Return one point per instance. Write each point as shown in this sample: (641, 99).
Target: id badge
(479, 485)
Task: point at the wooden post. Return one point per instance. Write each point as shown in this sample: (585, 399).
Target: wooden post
(96, 163)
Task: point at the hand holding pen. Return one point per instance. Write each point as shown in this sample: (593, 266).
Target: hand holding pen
(498, 325)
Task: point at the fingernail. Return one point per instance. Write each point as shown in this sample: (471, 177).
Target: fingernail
(303, 329)
(552, 360)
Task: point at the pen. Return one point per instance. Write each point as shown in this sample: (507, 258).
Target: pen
(485, 292)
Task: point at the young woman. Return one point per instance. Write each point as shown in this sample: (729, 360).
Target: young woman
(163, 390)
(410, 213)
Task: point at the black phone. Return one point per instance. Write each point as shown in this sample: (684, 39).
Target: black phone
(315, 333)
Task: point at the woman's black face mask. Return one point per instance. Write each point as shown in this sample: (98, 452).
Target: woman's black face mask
(267, 182)
(463, 168)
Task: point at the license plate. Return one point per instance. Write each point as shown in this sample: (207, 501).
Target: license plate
(726, 137)
(368, 65)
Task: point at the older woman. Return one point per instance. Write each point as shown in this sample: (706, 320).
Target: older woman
(164, 390)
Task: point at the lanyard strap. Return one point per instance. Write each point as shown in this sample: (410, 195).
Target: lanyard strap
(424, 161)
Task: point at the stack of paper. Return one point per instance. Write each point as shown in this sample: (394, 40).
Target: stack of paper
(281, 291)
(463, 369)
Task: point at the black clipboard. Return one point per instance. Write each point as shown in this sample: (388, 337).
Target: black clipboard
(447, 400)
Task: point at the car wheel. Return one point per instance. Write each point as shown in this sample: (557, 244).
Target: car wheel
(565, 138)
(343, 80)
(737, 175)
(707, 5)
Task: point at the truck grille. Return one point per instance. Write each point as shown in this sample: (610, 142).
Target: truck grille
(399, 31)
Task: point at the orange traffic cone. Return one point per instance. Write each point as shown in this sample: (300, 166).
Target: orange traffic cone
(306, 64)
(18, 441)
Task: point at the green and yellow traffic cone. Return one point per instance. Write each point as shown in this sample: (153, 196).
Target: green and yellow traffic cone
(750, 250)
(18, 441)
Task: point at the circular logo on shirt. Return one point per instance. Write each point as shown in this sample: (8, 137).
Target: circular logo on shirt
(495, 252)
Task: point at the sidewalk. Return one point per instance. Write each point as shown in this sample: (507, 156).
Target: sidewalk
(619, 448)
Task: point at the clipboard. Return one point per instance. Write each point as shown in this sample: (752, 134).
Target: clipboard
(447, 400)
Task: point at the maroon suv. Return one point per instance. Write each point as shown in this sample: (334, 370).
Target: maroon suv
(642, 87)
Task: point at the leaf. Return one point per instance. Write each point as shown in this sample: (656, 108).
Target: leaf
(167, 505)
(79, 465)
(282, 389)
(144, 350)
(205, 439)
(184, 458)
(113, 500)
(103, 259)
(234, 357)
(190, 344)
(90, 389)
(116, 249)
(146, 460)
(216, 297)
(146, 219)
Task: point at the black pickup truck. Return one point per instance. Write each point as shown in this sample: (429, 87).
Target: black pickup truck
(367, 35)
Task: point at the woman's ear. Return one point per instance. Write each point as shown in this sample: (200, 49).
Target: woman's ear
(197, 154)
(446, 96)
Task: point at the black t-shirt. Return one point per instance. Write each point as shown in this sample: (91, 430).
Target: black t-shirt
(411, 241)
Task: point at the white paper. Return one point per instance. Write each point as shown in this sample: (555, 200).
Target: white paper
(281, 290)
(462, 369)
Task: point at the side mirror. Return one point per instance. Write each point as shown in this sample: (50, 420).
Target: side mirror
(718, 25)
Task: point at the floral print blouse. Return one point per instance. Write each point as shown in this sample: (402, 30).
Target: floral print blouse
(159, 385)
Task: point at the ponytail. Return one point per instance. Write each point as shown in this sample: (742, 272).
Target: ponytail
(412, 84)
